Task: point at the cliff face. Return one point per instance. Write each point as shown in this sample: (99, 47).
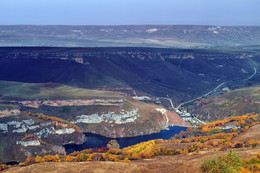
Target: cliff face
(142, 119)
(24, 135)
(129, 118)
(30, 134)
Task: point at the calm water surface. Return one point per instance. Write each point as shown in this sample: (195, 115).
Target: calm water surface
(94, 140)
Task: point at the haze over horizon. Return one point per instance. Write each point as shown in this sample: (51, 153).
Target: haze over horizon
(134, 12)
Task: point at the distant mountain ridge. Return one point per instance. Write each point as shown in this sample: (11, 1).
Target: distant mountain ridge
(173, 36)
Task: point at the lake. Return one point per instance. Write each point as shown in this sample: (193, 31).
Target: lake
(94, 140)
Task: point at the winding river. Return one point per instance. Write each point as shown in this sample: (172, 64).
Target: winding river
(94, 140)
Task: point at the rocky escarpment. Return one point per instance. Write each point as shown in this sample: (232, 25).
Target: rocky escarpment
(130, 118)
(138, 119)
(23, 136)
(179, 73)
(109, 117)
(31, 134)
(112, 116)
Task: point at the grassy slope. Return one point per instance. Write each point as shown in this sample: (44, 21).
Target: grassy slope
(40, 90)
(178, 164)
(152, 118)
(252, 133)
(233, 103)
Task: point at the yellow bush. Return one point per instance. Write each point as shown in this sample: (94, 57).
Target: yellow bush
(39, 159)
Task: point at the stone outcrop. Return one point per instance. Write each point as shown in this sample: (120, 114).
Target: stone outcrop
(113, 144)
(110, 117)
(70, 102)
(59, 149)
(16, 124)
(65, 131)
(3, 127)
(23, 129)
(8, 113)
(45, 132)
(29, 143)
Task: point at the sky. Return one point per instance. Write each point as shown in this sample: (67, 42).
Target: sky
(130, 12)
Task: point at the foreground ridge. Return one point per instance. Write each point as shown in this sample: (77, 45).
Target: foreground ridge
(215, 137)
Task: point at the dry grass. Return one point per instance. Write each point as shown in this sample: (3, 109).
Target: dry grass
(163, 164)
(253, 133)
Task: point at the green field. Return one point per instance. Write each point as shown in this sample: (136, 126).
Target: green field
(49, 90)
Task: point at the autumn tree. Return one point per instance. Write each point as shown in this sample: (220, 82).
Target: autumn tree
(39, 159)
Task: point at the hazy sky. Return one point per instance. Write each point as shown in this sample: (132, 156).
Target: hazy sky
(121, 12)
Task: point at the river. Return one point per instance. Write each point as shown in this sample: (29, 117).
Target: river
(94, 140)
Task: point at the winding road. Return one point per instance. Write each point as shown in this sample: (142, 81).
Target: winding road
(201, 96)
(169, 101)
(255, 71)
(251, 75)
(204, 95)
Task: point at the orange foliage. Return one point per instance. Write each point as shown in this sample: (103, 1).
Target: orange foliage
(185, 151)
(39, 159)
(69, 158)
(29, 137)
(55, 120)
(153, 148)
(50, 158)
(241, 120)
(2, 167)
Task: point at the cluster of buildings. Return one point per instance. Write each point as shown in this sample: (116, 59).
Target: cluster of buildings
(188, 117)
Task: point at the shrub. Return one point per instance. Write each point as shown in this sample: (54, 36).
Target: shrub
(215, 166)
(39, 159)
(2, 167)
(230, 162)
(231, 158)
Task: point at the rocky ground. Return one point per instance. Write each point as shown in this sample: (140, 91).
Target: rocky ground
(24, 135)
(189, 163)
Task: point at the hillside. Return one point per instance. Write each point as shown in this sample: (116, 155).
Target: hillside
(182, 74)
(51, 96)
(180, 36)
(178, 164)
(85, 107)
(252, 133)
(20, 90)
(41, 118)
(233, 103)
(185, 154)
